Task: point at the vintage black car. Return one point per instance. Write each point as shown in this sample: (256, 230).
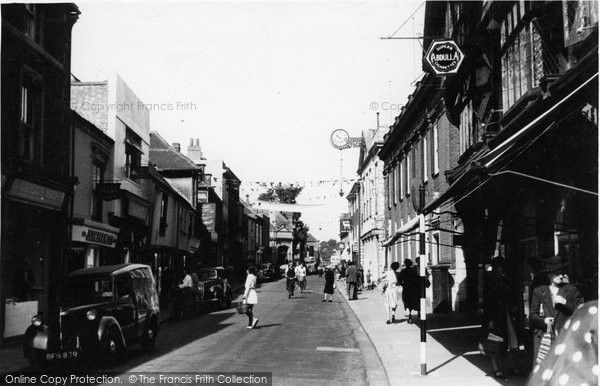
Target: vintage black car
(102, 310)
(268, 271)
(214, 287)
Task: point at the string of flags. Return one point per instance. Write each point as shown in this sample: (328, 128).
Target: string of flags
(303, 184)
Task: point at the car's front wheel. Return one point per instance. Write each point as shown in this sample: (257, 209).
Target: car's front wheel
(111, 348)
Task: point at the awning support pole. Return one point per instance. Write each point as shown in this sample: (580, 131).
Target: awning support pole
(422, 274)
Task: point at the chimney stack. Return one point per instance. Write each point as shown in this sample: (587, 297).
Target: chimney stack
(177, 147)
(194, 151)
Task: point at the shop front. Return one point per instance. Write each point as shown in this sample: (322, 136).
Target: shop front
(34, 232)
(92, 244)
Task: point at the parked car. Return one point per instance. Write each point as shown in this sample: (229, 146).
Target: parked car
(214, 287)
(268, 271)
(102, 311)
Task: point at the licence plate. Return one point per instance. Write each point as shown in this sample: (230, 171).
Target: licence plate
(62, 355)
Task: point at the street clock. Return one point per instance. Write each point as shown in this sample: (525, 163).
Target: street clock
(340, 139)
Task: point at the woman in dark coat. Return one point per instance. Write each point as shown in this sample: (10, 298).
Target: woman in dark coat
(329, 280)
(496, 313)
(409, 280)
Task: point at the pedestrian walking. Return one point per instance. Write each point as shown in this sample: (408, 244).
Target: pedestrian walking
(351, 280)
(329, 285)
(409, 280)
(342, 271)
(389, 286)
(300, 272)
(290, 275)
(551, 306)
(360, 278)
(368, 276)
(497, 319)
(250, 298)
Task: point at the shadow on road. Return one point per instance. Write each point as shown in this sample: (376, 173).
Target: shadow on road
(267, 326)
(174, 335)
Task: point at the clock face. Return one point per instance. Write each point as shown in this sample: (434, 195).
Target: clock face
(340, 138)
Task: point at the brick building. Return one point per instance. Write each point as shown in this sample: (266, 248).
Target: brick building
(420, 148)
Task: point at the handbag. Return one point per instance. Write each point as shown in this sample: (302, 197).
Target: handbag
(383, 284)
(491, 343)
(242, 308)
(545, 345)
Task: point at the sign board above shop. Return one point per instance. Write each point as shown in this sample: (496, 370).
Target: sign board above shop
(36, 194)
(89, 235)
(444, 57)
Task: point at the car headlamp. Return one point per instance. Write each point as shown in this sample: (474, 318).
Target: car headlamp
(36, 320)
(91, 314)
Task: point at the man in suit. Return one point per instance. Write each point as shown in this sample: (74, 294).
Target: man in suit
(351, 281)
(553, 304)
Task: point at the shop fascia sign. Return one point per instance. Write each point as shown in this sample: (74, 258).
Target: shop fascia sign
(444, 57)
(89, 235)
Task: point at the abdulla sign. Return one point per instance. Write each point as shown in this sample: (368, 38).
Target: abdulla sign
(444, 57)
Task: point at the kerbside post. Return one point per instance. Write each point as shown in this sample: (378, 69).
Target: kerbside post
(422, 274)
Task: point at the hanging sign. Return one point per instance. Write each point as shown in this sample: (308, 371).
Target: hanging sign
(444, 57)
(108, 191)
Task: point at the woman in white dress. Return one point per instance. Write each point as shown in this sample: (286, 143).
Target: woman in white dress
(390, 283)
(250, 297)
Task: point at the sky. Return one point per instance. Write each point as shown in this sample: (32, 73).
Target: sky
(261, 84)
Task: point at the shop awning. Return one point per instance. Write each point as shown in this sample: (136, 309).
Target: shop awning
(406, 228)
(496, 153)
(496, 158)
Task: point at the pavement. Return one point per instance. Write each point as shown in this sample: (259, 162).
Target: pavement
(452, 354)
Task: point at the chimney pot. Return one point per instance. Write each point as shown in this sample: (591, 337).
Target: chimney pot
(197, 142)
(177, 147)
(191, 141)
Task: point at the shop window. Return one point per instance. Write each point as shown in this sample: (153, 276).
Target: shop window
(133, 154)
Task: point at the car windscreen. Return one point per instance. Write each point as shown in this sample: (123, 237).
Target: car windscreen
(82, 290)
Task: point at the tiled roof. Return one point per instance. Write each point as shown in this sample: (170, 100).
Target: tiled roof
(165, 157)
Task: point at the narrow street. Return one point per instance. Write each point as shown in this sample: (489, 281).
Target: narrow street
(301, 340)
